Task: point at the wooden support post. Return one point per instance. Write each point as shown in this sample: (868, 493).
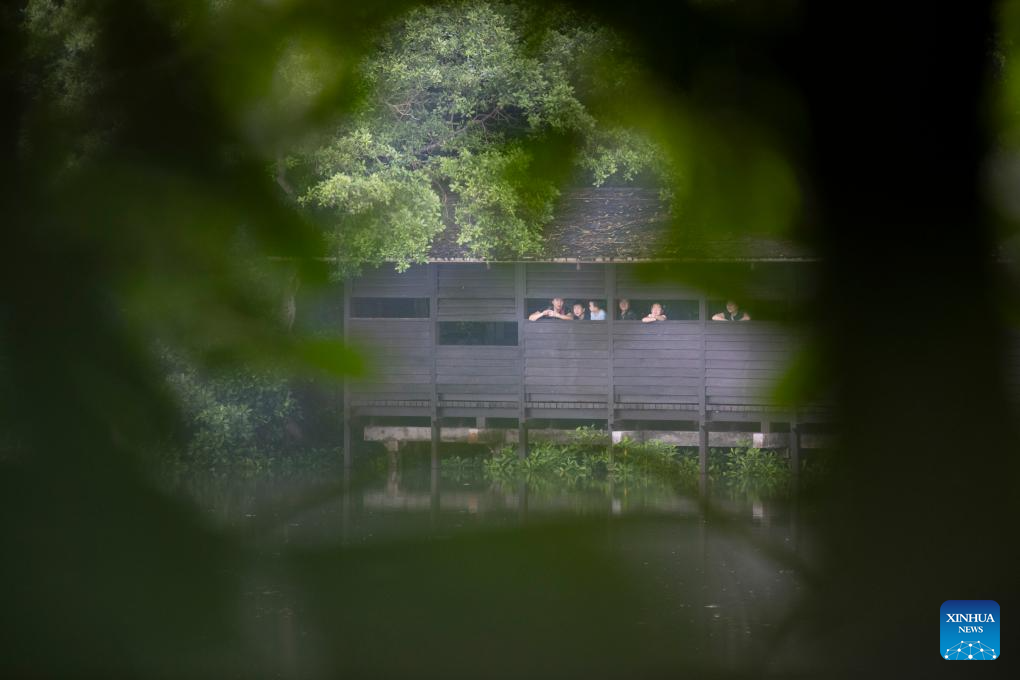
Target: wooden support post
(610, 317)
(347, 415)
(480, 422)
(433, 278)
(794, 425)
(703, 393)
(522, 411)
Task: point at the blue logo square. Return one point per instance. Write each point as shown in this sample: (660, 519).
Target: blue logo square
(969, 630)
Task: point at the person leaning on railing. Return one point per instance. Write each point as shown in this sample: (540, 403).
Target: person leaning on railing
(733, 313)
(626, 313)
(655, 314)
(555, 311)
(595, 313)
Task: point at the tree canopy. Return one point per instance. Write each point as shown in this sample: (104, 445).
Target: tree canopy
(471, 115)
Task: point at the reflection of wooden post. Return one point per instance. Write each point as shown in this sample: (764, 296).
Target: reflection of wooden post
(795, 444)
(522, 503)
(703, 449)
(435, 443)
(434, 496)
(522, 439)
(704, 587)
(522, 411)
(794, 519)
(348, 452)
(348, 457)
(393, 466)
(345, 512)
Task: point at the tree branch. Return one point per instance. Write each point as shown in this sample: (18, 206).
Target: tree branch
(479, 120)
(281, 176)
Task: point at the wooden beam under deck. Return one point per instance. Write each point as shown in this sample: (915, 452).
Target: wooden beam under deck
(686, 438)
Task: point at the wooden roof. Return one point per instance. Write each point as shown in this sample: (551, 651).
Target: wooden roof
(626, 224)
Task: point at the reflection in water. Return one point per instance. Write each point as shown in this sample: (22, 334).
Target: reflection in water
(595, 581)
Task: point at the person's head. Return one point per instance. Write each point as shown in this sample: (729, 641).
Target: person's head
(593, 305)
(732, 306)
(557, 304)
(624, 304)
(578, 309)
(656, 309)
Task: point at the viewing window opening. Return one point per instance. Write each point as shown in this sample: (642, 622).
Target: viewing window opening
(632, 309)
(477, 333)
(741, 310)
(389, 308)
(577, 308)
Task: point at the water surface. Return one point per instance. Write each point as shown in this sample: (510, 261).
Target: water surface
(407, 571)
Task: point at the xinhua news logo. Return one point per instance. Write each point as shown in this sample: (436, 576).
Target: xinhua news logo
(969, 630)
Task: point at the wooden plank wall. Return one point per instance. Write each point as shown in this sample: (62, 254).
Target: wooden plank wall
(566, 281)
(465, 373)
(561, 363)
(474, 292)
(398, 353)
(385, 281)
(744, 360)
(468, 373)
(566, 361)
(642, 283)
(657, 363)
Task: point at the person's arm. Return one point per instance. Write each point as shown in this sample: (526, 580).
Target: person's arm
(719, 317)
(649, 319)
(746, 317)
(535, 316)
(661, 317)
(565, 317)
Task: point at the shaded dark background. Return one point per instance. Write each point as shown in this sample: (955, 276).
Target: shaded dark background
(912, 307)
(889, 131)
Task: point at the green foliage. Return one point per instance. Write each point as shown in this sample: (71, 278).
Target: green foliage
(502, 464)
(548, 466)
(472, 113)
(654, 458)
(64, 74)
(460, 468)
(589, 439)
(749, 470)
(688, 471)
(234, 419)
(585, 461)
